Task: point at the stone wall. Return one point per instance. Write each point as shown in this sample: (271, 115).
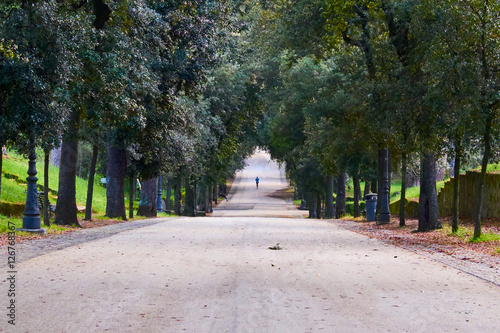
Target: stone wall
(468, 193)
(411, 208)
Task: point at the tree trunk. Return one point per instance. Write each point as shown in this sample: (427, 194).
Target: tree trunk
(177, 196)
(131, 196)
(357, 187)
(428, 210)
(340, 202)
(207, 199)
(90, 187)
(148, 198)
(366, 190)
(312, 205)
(189, 209)
(480, 185)
(318, 205)
(116, 172)
(381, 166)
(66, 194)
(329, 197)
(357, 195)
(1, 168)
(202, 197)
(456, 186)
(210, 199)
(402, 202)
(167, 197)
(373, 186)
(215, 194)
(136, 190)
(46, 217)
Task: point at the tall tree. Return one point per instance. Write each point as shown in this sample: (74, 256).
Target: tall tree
(400, 21)
(32, 70)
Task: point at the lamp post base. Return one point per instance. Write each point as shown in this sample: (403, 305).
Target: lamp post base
(383, 218)
(41, 231)
(384, 215)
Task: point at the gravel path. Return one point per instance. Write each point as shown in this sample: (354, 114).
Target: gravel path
(35, 248)
(479, 265)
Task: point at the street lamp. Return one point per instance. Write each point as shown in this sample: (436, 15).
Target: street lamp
(31, 219)
(384, 215)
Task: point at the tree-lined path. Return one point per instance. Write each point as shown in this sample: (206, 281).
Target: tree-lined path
(217, 274)
(247, 200)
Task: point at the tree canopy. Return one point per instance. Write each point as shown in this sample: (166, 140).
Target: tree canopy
(191, 87)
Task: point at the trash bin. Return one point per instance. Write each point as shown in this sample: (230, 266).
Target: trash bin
(371, 206)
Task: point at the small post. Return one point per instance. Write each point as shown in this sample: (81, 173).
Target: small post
(31, 220)
(160, 209)
(384, 216)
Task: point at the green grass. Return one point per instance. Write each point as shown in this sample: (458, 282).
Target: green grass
(18, 222)
(4, 223)
(493, 167)
(163, 214)
(411, 192)
(14, 173)
(460, 233)
(485, 238)
(13, 191)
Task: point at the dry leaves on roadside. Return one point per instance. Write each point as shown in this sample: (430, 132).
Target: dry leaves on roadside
(435, 241)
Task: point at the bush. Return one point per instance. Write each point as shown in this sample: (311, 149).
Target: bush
(349, 207)
(11, 209)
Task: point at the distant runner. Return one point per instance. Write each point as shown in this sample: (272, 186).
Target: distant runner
(257, 182)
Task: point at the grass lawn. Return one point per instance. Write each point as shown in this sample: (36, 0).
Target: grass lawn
(15, 165)
(14, 173)
(411, 192)
(493, 168)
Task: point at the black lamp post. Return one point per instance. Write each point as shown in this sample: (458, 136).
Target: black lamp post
(384, 215)
(31, 220)
(159, 206)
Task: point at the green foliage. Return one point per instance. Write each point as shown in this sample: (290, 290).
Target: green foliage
(138, 80)
(485, 238)
(349, 206)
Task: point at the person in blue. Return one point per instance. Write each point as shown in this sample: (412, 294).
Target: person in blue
(257, 182)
